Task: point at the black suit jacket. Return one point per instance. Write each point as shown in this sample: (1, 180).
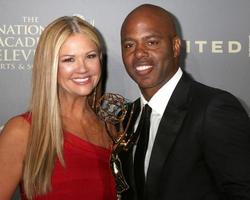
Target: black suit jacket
(201, 150)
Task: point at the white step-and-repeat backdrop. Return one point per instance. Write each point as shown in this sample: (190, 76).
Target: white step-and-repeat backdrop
(216, 36)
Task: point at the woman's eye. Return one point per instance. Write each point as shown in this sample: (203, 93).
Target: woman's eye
(68, 60)
(92, 55)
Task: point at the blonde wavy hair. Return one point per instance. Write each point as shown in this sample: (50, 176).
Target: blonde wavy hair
(46, 136)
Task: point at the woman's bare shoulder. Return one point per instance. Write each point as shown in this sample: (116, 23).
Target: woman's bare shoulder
(13, 144)
(17, 124)
(15, 132)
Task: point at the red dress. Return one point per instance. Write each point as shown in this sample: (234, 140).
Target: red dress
(87, 174)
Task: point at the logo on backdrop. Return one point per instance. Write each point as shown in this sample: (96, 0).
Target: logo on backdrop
(217, 46)
(18, 42)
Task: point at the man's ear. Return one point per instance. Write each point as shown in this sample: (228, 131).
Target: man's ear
(176, 46)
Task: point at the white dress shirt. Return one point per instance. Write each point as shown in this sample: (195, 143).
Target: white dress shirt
(158, 104)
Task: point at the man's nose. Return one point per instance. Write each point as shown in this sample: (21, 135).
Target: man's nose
(141, 51)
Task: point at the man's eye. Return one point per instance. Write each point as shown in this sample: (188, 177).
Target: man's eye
(128, 45)
(152, 43)
(68, 60)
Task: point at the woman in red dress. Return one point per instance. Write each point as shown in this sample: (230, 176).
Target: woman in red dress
(60, 149)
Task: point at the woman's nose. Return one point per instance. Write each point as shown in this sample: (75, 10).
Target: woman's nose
(81, 66)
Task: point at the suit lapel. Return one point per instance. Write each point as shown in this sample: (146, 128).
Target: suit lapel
(168, 130)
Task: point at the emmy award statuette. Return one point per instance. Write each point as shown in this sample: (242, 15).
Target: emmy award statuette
(112, 109)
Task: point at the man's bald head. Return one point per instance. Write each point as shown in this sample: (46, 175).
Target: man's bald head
(154, 13)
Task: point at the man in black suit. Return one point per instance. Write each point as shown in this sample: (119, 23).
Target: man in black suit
(199, 141)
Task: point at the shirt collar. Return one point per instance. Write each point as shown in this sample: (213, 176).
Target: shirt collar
(159, 101)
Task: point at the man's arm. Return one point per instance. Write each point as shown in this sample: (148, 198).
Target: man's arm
(227, 146)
